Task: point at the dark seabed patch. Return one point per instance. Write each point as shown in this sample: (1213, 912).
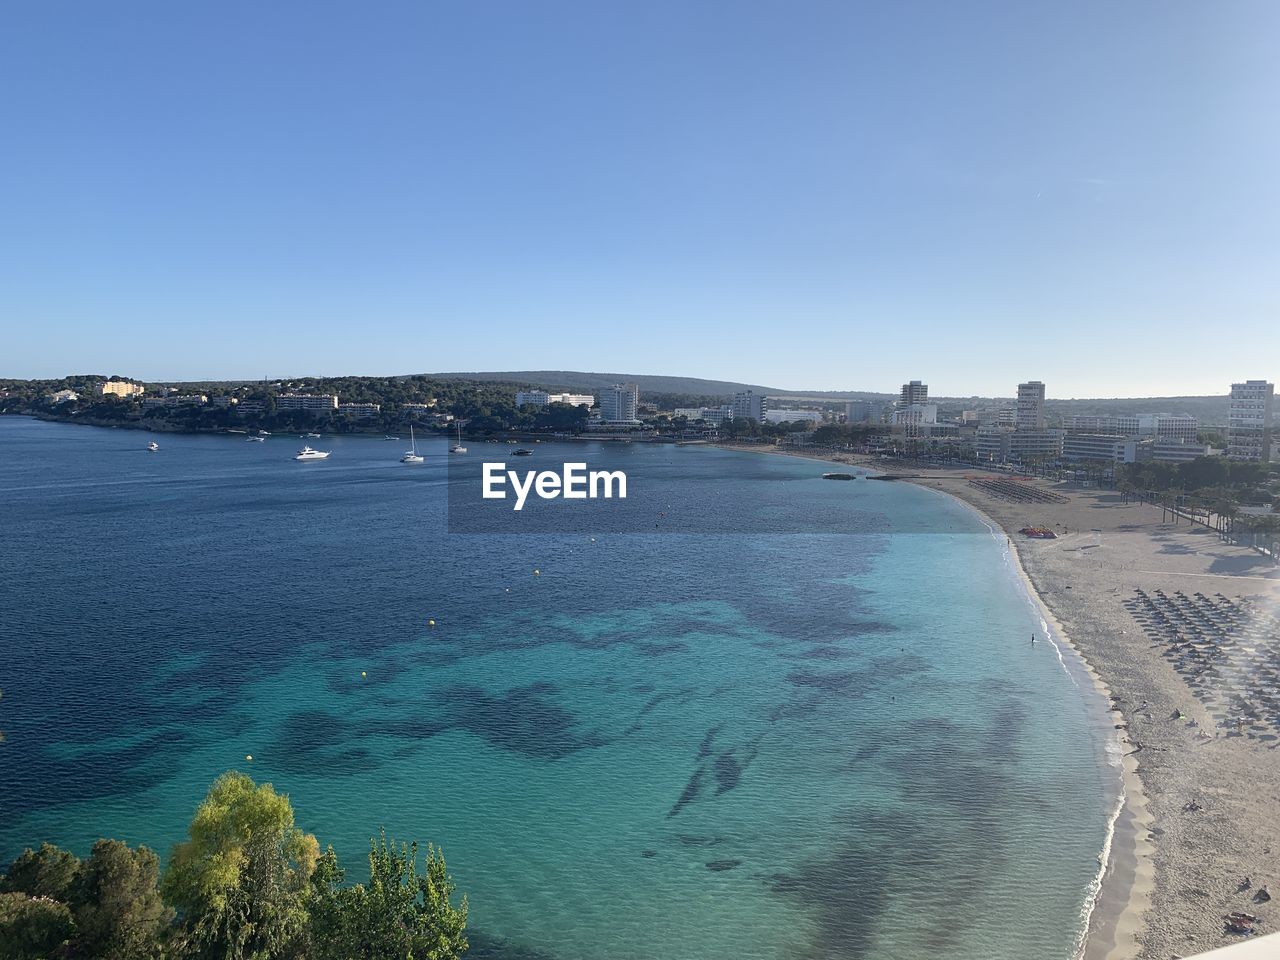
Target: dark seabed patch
(690, 793)
(720, 865)
(485, 946)
(831, 682)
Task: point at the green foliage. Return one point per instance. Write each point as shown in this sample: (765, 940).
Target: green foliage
(241, 881)
(833, 434)
(400, 914)
(117, 906)
(249, 884)
(32, 928)
(48, 872)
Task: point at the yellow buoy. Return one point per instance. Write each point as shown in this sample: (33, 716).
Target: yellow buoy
(363, 674)
(249, 757)
(431, 623)
(537, 573)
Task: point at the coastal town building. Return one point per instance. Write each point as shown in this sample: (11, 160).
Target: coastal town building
(620, 403)
(858, 411)
(791, 416)
(709, 414)
(1171, 451)
(62, 396)
(359, 411)
(421, 408)
(175, 400)
(751, 405)
(223, 401)
(1162, 425)
(121, 388)
(913, 392)
(1030, 406)
(247, 408)
(1100, 447)
(914, 415)
(314, 403)
(540, 398)
(1002, 445)
(1249, 420)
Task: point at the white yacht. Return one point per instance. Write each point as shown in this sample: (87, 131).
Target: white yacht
(411, 455)
(458, 447)
(312, 436)
(255, 439)
(306, 453)
(153, 446)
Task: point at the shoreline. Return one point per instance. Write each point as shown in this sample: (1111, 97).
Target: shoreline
(1114, 913)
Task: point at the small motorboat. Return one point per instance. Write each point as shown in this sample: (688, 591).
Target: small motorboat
(153, 446)
(312, 436)
(390, 438)
(306, 453)
(522, 452)
(255, 439)
(264, 433)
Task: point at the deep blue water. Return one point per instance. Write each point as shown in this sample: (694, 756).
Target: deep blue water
(826, 737)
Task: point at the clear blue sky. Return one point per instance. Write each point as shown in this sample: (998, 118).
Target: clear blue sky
(832, 195)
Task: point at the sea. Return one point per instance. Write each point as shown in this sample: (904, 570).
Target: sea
(770, 716)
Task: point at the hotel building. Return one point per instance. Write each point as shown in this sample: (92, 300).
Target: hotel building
(540, 398)
(122, 388)
(1249, 420)
(314, 403)
(1030, 406)
(751, 405)
(619, 403)
(359, 411)
(1163, 426)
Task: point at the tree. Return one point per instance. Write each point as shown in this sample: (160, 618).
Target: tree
(116, 903)
(400, 914)
(48, 872)
(32, 928)
(241, 882)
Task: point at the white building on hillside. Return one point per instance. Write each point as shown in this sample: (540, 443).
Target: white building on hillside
(318, 403)
(540, 398)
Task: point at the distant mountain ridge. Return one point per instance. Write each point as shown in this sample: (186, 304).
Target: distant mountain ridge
(1209, 409)
(580, 380)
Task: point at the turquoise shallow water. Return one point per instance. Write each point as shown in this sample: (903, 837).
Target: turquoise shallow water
(829, 737)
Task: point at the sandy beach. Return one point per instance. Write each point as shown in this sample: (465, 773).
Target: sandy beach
(1202, 779)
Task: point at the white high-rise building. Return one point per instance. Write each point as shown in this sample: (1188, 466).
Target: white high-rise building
(1030, 408)
(618, 404)
(1249, 420)
(750, 405)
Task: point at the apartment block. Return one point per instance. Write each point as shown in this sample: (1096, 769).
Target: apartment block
(1250, 419)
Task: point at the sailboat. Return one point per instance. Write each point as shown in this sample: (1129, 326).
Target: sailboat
(411, 455)
(458, 447)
